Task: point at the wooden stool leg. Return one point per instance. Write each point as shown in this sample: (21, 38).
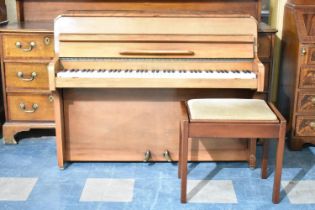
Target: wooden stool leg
(180, 149)
(252, 153)
(264, 163)
(279, 162)
(184, 156)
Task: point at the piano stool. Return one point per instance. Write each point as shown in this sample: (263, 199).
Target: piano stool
(233, 118)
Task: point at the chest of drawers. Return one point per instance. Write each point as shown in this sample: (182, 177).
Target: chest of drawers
(28, 103)
(297, 76)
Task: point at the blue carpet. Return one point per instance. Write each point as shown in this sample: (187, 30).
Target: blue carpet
(156, 186)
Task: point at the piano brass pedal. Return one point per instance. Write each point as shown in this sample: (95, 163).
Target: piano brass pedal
(147, 156)
(167, 156)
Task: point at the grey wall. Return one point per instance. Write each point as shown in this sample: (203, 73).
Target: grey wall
(11, 10)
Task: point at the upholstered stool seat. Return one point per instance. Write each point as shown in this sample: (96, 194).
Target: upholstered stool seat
(229, 109)
(242, 118)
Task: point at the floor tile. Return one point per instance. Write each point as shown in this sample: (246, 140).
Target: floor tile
(300, 192)
(211, 191)
(16, 189)
(113, 190)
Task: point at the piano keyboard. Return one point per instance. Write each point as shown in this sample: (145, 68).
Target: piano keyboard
(160, 74)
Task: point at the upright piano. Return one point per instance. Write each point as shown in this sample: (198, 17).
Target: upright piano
(23, 91)
(120, 79)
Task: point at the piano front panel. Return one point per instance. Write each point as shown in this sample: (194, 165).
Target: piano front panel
(121, 124)
(155, 50)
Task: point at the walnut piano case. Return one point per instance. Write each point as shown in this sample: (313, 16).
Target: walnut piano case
(297, 83)
(91, 112)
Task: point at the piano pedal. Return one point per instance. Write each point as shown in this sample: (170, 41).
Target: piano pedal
(147, 156)
(167, 156)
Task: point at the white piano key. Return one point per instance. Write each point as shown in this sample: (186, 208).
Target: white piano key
(142, 73)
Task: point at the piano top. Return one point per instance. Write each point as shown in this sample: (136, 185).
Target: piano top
(232, 39)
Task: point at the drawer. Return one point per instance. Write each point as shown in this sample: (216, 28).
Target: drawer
(26, 75)
(306, 102)
(35, 107)
(305, 126)
(28, 46)
(307, 78)
(264, 46)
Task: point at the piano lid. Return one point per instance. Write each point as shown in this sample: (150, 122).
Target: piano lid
(123, 24)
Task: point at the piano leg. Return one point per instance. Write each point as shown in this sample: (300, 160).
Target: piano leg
(58, 105)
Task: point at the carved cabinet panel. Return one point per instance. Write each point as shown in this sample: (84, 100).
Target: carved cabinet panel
(305, 126)
(311, 55)
(307, 78)
(306, 102)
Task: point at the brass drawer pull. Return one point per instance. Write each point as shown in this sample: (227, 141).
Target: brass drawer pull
(313, 100)
(303, 51)
(167, 156)
(20, 75)
(19, 45)
(23, 108)
(312, 124)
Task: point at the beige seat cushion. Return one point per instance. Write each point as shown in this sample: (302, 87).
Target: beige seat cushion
(230, 109)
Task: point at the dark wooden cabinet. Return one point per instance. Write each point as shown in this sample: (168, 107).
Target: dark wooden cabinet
(297, 77)
(3, 12)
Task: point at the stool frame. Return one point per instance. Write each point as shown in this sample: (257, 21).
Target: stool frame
(248, 129)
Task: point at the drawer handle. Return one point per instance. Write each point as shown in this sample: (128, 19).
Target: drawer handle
(313, 100)
(23, 108)
(20, 75)
(19, 45)
(312, 125)
(303, 52)
(157, 52)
